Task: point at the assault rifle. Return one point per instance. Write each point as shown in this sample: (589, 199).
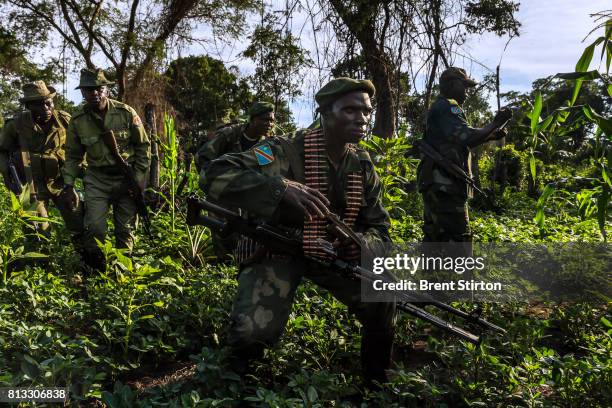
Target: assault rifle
(288, 241)
(451, 168)
(13, 183)
(108, 137)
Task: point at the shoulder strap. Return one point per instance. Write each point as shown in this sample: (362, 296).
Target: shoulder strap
(294, 159)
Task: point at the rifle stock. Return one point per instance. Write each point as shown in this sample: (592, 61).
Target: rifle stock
(285, 241)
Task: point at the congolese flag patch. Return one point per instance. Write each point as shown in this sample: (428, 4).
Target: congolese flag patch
(264, 154)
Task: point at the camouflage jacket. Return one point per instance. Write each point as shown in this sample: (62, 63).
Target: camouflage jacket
(229, 139)
(239, 180)
(84, 141)
(450, 134)
(44, 148)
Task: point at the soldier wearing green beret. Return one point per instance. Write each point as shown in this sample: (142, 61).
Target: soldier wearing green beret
(38, 134)
(293, 181)
(235, 139)
(105, 184)
(448, 132)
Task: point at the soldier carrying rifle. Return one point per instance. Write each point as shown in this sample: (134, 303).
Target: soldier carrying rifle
(296, 182)
(444, 174)
(38, 136)
(110, 137)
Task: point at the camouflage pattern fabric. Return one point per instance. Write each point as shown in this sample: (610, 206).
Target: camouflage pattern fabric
(253, 181)
(104, 184)
(444, 196)
(229, 139)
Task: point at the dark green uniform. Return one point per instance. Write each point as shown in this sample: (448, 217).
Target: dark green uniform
(267, 286)
(444, 196)
(230, 139)
(43, 153)
(104, 183)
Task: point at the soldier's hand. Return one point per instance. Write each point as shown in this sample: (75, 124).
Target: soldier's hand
(502, 116)
(348, 250)
(500, 134)
(69, 197)
(309, 201)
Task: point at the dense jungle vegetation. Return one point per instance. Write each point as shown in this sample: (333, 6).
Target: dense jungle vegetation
(149, 331)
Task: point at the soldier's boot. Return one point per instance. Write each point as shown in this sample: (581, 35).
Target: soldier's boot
(94, 260)
(376, 349)
(241, 358)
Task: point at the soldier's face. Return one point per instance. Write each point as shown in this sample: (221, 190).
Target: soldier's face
(95, 97)
(348, 117)
(41, 110)
(459, 90)
(262, 124)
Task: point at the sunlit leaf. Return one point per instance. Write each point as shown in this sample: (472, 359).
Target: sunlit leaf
(535, 113)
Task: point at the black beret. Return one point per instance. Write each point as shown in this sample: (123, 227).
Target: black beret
(337, 87)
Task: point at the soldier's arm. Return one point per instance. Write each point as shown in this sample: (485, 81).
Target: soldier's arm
(212, 149)
(8, 142)
(142, 148)
(469, 136)
(236, 180)
(373, 219)
(75, 153)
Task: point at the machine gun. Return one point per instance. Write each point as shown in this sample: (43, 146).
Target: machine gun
(284, 240)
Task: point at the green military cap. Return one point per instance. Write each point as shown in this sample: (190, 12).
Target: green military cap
(457, 73)
(338, 87)
(36, 91)
(260, 107)
(92, 78)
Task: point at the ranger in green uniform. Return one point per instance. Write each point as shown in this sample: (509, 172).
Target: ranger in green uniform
(294, 181)
(105, 184)
(448, 132)
(235, 139)
(39, 135)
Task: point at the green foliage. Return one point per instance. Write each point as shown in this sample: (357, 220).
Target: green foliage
(205, 93)
(279, 60)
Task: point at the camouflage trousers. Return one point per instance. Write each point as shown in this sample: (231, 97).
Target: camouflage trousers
(262, 305)
(106, 188)
(445, 217)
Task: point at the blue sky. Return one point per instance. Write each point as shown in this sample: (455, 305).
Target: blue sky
(551, 41)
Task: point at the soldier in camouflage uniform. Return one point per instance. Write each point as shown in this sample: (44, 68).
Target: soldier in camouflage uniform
(445, 196)
(39, 135)
(105, 184)
(267, 182)
(235, 139)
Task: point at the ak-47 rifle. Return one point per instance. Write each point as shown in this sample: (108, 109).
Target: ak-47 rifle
(451, 168)
(14, 183)
(283, 240)
(108, 137)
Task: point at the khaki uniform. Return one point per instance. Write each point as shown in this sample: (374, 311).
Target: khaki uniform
(444, 196)
(104, 183)
(267, 286)
(43, 152)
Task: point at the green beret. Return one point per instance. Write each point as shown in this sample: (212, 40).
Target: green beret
(338, 87)
(260, 107)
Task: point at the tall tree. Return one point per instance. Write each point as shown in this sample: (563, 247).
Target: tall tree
(279, 61)
(204, 92)
(129, 36)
